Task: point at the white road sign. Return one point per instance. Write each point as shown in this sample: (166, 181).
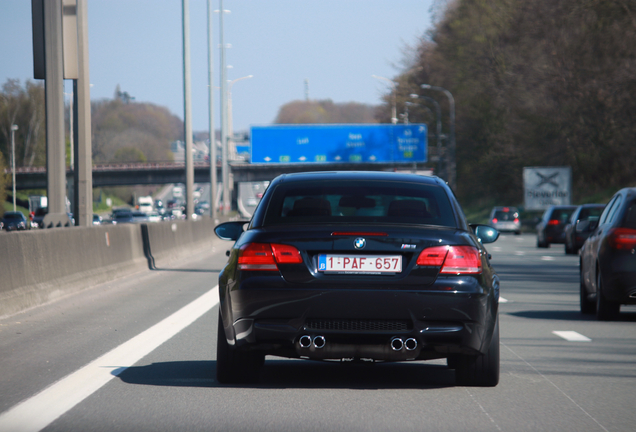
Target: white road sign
(546, 186)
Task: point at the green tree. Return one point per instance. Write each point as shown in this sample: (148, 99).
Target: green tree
(324, 111)
(535, 83)
(23, 106)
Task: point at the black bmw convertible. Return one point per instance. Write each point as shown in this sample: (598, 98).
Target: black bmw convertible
(353, 266)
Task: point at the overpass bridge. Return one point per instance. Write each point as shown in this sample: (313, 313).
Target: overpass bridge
(130, 174)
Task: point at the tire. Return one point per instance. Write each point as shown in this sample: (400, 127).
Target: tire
(587, 306)
(233, 366)
(605, 310)
(480, 370)
(541, 244)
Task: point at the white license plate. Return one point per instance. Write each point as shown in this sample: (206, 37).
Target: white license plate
(360, 264)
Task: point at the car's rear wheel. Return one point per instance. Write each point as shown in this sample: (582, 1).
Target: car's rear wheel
(480, 370)
(606, 310)
(233, 366)
(541, 243)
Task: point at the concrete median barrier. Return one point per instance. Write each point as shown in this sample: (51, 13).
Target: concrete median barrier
(40, 266)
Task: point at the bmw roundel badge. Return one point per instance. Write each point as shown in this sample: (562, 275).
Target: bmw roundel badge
(360, 243)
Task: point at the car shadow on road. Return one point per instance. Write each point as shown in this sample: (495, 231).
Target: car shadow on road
(285, 373)
(568, 315)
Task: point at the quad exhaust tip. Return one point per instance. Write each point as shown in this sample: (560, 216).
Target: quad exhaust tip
(305, 341)
(319, 341)
(397, 344)
(410, 344)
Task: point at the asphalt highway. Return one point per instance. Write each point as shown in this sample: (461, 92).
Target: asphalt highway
(139, 355)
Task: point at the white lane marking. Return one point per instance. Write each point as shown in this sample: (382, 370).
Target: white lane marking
(502, 300)
(572, 336)
(37, 412)
(556, 387)
(547, 258)
(496, 249)
(520, 253)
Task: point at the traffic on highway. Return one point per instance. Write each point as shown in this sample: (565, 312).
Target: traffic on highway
(141, 354)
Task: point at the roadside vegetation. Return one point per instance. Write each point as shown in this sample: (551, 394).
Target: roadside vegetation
(536, 83)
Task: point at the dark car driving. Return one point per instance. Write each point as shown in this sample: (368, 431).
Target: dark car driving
(14, 221)
(608, 259)
(347, 266)
(122, 215)
(579, 226)
(550, 228)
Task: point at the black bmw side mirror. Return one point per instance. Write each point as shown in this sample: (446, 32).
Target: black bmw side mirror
(485, 233)
(230, 230)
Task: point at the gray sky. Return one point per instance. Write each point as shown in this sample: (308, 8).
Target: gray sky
(335, 44)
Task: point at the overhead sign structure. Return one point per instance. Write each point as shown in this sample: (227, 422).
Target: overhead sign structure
(339, 143)
(546, 186)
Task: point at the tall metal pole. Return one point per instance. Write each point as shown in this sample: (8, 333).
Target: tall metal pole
(394, 119)
(451, 166)
(83, 164)
(54, 105)
(225, 169)
(438, 131)
(187, 111)
(212, 154)
(230, 117)
(13, 129)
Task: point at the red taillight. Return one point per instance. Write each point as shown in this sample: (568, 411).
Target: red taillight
(433, 256)
(553, 222)
(516, 220)
(286, 254)
(494, 220)
(264, 256)
(256, 256)
(452, 259)
(622, 238)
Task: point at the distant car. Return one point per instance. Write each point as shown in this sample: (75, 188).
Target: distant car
(119, 216)
(140, 216)
(154, 217)
(358, 265)
(505, 219)
(608, 259)
(38, 217)
(97, 219)
(550, 228)
(14, 221)
(578, 228)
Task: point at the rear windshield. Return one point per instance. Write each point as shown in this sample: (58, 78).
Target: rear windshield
(593, 213)
(630, 216)
(13, 216)
(562, 214)
(359, 202)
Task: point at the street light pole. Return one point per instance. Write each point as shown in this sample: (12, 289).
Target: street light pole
(13, 129)
(452, 167)
(230, 118)
(438, 130)
(212, 153)
(225, 169)
(394, 91)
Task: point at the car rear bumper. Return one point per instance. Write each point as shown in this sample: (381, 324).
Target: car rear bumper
(360, 323)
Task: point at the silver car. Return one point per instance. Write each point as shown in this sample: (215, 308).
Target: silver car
(505, 219)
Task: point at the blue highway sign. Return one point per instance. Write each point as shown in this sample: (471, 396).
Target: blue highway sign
(339, 143)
